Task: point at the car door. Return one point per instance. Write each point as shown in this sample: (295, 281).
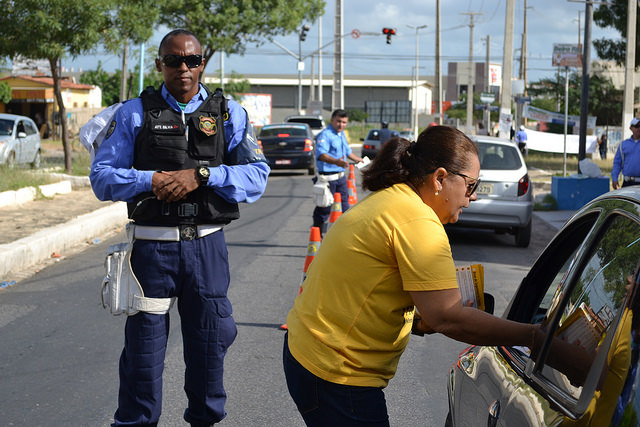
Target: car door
(582, 289)
(21, 142)
(32, 143)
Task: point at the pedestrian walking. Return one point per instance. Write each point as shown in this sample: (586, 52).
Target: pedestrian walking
(182, 158)
(627, 158)
(602, 146)
(521, 140)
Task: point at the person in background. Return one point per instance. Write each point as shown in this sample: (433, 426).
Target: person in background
(332, 153)
(521, 139)
(183, 158)
(602, 146)
(383, 259)
(627, 158)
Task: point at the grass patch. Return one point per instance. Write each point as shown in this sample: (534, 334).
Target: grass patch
(554, 162)
(14, 179)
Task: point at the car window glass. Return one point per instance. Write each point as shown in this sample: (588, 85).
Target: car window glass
(498, 157)
(21, 127)
(29, 128)
(6, 127)
(374, 135)
(589, 314)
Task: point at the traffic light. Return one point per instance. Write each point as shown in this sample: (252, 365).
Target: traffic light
(389, 32)
(303, 32)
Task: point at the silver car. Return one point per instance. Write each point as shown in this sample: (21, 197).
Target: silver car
(505, 193)
(19, 141)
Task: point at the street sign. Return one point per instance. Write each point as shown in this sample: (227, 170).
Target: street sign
(523, 99)
(355, 33)
(488, 97)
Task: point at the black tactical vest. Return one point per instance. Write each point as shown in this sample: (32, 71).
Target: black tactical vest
(169, 140)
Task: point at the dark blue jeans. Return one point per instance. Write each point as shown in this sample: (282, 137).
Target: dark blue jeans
(322, 403)
(321, 215)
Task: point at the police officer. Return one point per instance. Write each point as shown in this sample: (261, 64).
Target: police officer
(183, 158)
(332, 153)
(627, 158)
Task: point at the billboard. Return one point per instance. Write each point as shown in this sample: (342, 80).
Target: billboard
(495, 75)
(566, 55)
(258, 106)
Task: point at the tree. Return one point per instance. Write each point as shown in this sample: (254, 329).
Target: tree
(615, 16)
(229, 25)
(51, 29)
(132, 23)
(5, 92)
(107, 82)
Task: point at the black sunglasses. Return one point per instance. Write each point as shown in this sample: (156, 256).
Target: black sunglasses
(471, 187)
(174, 61)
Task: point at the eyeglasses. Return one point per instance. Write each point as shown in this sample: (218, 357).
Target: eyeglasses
(174, 61)
(472, 186)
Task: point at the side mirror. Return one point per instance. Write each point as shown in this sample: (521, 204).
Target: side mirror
(361, 139)
(22, 134)
(489, 303)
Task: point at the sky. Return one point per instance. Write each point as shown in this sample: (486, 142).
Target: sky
(548, 22)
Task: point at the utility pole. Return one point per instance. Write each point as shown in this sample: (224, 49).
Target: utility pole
(507, 64)
(586, 69)
(124, 77)
(337, 94)
(320, 87)
(415, 93)
(222, 69)
(629, 66)
(487, 82)
(438, 71)
(471, 73)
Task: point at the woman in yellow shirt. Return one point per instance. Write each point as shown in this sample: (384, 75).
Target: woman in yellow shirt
(385, 256)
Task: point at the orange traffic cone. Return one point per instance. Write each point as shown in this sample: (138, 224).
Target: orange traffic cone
(351, 185)
(336, 208)
(312, 250)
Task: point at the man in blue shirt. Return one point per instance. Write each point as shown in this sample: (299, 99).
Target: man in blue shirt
(521, 139)
(332, 152)
(627, 159)
(183, 159)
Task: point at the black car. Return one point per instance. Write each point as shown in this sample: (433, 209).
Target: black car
(584, 290)
(374, 140)
(288, 146)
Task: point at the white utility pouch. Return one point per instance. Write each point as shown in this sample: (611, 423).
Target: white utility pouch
(321, 193)
(120, 290)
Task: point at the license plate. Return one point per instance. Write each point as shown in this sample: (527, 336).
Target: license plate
(283, 162)
(485, 188)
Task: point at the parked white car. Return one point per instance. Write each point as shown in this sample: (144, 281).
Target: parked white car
(19, 141)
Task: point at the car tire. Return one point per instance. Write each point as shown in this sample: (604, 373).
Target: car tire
(523, 235)
(448, 422)
(11, 160)
(35, 164)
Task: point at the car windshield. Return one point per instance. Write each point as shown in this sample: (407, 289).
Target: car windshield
(6, 127)
(283, 132)
(498, 157)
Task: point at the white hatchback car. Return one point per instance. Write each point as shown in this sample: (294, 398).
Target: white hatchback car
(19, 141)
(505, 193)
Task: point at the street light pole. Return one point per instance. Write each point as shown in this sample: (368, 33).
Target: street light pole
(415, 93)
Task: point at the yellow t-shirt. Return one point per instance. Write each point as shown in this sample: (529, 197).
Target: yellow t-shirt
(353, 318)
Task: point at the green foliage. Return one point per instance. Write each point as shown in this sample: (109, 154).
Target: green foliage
(236, 85)
(229, 25)
(605, 101)
(5, 92)
(131, 22)
(357, 115)
(614, 15)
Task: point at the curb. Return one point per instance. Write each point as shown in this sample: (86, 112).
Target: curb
(38, 247)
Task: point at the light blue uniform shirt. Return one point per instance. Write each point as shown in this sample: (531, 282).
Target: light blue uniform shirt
(113, 177)
(631, 167)
(334, 144)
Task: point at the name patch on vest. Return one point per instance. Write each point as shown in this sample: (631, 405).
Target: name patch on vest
(207, 125)
(170, 128)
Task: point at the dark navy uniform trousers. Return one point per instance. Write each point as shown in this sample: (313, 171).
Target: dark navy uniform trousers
(321, 215)
(197, 273)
